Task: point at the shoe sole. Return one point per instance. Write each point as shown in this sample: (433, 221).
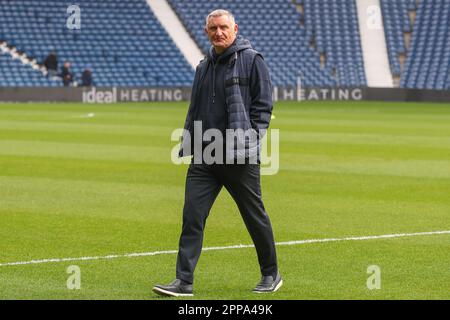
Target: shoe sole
(166, 293)
(275, 289)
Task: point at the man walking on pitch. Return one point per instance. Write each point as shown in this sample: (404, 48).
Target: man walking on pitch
(231, 90)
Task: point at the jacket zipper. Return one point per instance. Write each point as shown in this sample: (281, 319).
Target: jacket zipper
(214, 82)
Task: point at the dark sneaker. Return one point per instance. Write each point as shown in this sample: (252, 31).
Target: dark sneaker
(176, 288)
(269, 284)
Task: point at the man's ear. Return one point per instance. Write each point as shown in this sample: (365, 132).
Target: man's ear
(206, 30)
(236, 27)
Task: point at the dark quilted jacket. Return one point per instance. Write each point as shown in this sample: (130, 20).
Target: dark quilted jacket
(244, 111)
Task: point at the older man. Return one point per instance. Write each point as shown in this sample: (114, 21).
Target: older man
(231, 92)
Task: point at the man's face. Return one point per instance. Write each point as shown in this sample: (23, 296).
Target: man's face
(221, 32)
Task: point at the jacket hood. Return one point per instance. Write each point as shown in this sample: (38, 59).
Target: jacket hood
(238, 45)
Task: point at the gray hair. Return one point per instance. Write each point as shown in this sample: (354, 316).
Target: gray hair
(219, 13)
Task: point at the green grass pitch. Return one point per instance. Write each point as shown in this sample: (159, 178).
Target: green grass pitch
(94, 180)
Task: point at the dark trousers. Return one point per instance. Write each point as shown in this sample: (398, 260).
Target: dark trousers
(203, 184)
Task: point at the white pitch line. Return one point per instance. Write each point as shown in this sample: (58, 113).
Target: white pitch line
(240, 246)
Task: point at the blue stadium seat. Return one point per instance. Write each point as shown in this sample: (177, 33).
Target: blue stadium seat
(428, 60)
(396, 22)
(117, 37)
(284, 42)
